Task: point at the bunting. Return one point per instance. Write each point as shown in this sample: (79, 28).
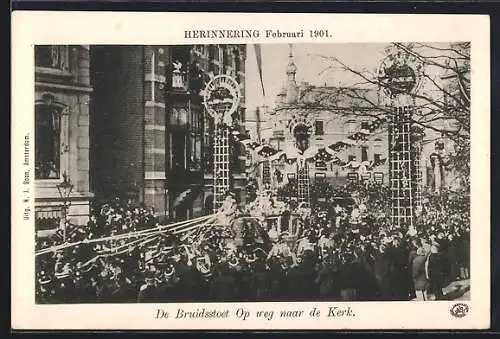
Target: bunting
(329, 153)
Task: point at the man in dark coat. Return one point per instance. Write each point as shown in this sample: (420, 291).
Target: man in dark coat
(299, 281)
(327, 280)
(368, 283)
(260, 281)
(400, 275)
(148, 292)
(223, 286)
(276, 278)
(350, 278)
(452, 259)
(382, 270)
(435, 272)
(420, 282)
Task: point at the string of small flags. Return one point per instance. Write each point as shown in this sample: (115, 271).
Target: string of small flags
(329, 153)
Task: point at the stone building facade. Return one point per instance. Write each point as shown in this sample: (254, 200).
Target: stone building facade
(150, 135)
(62, 117)
(346, 114)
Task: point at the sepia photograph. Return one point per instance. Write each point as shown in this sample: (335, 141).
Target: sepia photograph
(250, 171)
(280, 172)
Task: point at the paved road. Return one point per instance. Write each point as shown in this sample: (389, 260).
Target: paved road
(457, 290)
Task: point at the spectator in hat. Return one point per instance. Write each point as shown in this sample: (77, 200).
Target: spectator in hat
(382, 270)
(148, 291)
(420, 282)
(435, 273)
(400, 273)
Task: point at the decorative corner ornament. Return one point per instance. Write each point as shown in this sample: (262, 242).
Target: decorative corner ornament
(221, 98)
(400, 72)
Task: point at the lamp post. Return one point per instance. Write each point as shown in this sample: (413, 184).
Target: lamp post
(65, 188)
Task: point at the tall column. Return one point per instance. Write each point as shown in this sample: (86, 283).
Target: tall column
(155, 146)
(400, 75)
(221, 98)
(303, 184)
(400, 165)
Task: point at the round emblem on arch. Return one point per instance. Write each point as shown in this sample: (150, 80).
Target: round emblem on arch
(301, 126)
(221, 97)
(400, 72)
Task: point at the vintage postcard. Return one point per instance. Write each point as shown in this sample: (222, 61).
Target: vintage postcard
(250, 171)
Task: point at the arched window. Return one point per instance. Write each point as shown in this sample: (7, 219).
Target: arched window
(377, 150)
(47, 142)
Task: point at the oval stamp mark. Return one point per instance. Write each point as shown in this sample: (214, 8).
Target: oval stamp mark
(459, 310)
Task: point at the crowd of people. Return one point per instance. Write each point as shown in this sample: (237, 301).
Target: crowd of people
(343, 247)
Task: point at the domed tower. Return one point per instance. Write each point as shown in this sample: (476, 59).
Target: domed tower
(291, 71)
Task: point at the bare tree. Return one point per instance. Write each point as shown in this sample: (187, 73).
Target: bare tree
(442, 104)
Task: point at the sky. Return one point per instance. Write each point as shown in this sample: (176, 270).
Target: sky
(310, 67)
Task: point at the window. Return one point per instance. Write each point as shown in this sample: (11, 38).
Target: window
(350, 152)
(195, 152)
(52, 56)
(44, 56)
(378, 177)
(377, 150)
(225, 57)
(318, 127)
(47, 142)
(350, 126)
(211, 58)
(365, 125)
(178, 145)
(352, 177)
(319, 178)
(320, 165)
(221, 55)
(364, 153)
(195, 139)
(208, 145)
(237, 64)
(179, 117)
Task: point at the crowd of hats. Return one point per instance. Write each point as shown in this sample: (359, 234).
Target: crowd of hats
(341, 244)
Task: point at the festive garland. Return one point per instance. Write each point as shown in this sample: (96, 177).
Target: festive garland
(176, 228)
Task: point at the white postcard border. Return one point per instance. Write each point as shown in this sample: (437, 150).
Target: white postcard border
(29, 28)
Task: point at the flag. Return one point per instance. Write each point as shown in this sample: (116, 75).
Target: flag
(258, 56)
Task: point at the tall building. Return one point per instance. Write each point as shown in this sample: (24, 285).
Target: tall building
(331, 114)
(150, 137)
(62, 118)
